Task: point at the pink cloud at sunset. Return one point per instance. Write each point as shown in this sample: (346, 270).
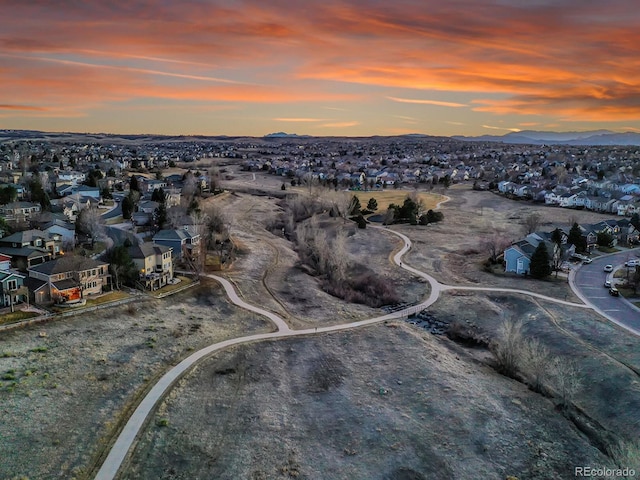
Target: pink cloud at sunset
(451, 67)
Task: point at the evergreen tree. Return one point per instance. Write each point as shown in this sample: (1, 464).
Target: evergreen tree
(38, 194)
(133, 184)
(635, 221)
(127, 207)
(8, 194)
(354, 207)
(576, 238)
(372, 204)
(160, 216)
(540, 267)
(121, 265)
(158, 195)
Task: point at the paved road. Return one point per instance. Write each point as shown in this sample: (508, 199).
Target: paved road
(126, 439)
(588, 283)
(114, 212)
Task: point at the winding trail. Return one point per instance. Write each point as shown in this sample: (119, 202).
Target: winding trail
(127, 437)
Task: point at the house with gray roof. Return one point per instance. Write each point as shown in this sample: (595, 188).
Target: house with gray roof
(71, 277)
(183, 242)
(154, 264)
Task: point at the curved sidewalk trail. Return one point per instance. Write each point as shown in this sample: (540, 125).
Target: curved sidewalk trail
(127, 436)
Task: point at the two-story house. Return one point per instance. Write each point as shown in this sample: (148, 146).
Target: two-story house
(183, 242)
(11, 291)
(154, 264)
(69, 278)
(50, 241)
(19, 211)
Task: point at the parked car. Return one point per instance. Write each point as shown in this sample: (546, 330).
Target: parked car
(608, 268)
(632, 263)
(607, 284)
(613, 291)
(586, 261)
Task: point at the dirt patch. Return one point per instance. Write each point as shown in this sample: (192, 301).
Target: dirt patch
(408, 406)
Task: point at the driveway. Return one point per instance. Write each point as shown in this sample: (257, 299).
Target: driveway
(588, 283)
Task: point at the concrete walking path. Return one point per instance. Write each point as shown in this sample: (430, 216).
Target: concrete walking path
(136, 422)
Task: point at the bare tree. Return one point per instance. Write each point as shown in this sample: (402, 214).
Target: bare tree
(566, 380)
(389, 216)
(495, 244)
(532, 222)
(196, 256)
(415, 198)
(189, 188)
(90, 222)
(507, 348)
(535, 361)
(175, 216)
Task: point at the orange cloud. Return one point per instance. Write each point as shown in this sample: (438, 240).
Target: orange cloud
(569, 60)
(340, 124)
(428, 102)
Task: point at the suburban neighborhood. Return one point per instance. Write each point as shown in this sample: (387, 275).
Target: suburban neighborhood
(171, 248)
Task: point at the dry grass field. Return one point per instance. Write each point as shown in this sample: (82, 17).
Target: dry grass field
(384, 402)
(397, 197)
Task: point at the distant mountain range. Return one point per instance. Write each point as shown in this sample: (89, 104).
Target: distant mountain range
(285, 135)
(532, 137)
(528, 137)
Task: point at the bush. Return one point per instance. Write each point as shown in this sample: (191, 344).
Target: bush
(626, 455)
(507, 348)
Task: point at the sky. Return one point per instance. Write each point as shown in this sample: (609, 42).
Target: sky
(330, 67)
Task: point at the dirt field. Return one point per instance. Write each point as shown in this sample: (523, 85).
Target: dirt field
(379, 403)
(382, 402)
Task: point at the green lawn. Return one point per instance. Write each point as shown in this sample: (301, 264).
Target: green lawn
(609, 249)
(15, 316)
(97, 248)
(184, 281)
(106, 298)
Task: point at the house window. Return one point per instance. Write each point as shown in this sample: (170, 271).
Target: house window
(93, 272)
(12, 285)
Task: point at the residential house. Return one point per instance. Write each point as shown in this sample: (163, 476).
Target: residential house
(5, 262)
(11, 288)
(65, 230)
(24, 257)
(154, 264)
(70, 278)
(183, 242)
(151, 184)
(517, 257)
(71, 177)
(19, 211)
(51, 242)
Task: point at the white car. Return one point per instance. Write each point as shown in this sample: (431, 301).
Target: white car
(608, 268)
(632, 263)
(607, 284)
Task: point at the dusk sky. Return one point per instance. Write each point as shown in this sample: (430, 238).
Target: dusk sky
(320, 67)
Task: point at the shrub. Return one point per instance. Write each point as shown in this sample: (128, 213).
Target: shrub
(566, 380)
(626, 455)
(507, 348)
(535, 363)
